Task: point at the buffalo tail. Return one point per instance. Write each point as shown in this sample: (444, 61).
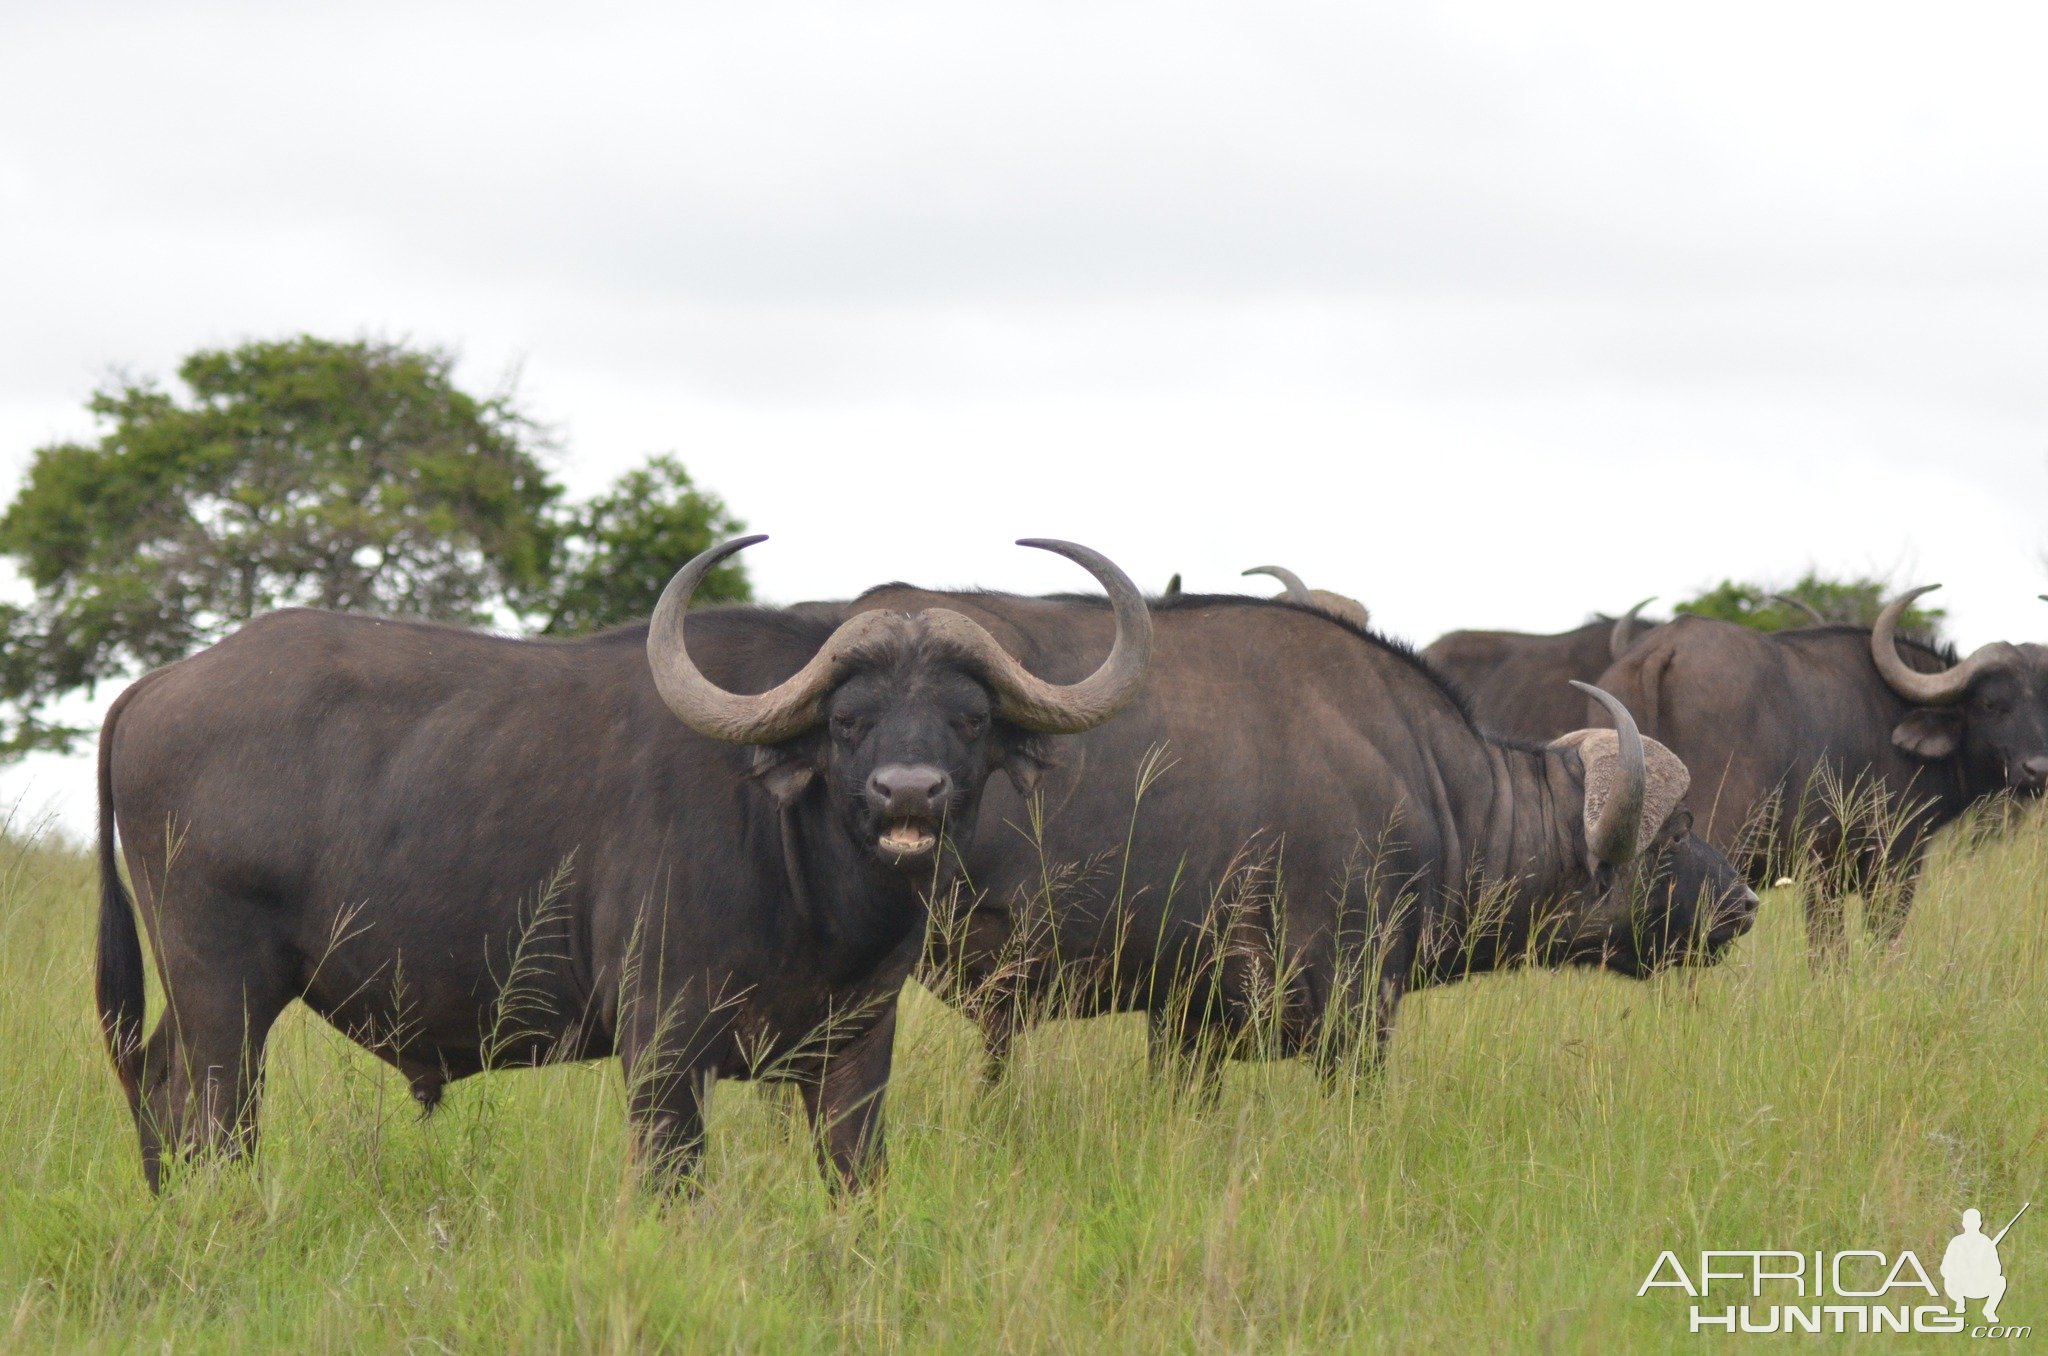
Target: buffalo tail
(120, 988)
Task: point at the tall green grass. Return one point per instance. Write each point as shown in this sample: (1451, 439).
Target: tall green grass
(1535, 1141)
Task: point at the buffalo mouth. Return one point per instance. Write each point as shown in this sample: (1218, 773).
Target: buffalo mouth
(906, 840)
(1731, 918)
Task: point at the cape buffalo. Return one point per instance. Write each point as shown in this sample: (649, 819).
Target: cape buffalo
(1336, 604)
(1838, 747)
(470, 852)
(1519, 684)
(1300, 817)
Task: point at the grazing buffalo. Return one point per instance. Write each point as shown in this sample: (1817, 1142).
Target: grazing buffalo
(1336, 604)
(1300, 819)
(1520, 685)
(470, 852)
(1837, 747)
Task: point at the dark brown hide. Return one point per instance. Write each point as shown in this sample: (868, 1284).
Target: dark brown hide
(1804, 758)
(472, 852)
(1519, 685)
(1312, 786)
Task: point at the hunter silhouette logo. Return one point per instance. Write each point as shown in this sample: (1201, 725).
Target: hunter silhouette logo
(1970, 1269)
(1849, 1290)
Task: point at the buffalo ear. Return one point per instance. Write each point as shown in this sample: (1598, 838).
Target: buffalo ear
(1929, 735)
(1025, 758)
(785, 770)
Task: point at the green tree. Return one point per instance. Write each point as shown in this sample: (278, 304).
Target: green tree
(1853, 601)
(304, 471)
(619, 550)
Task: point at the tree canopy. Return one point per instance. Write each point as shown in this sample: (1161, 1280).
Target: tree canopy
(1853, 601)
(350, 475)
(619, 550)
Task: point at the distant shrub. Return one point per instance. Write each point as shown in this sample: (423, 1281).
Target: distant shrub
(1851, 602)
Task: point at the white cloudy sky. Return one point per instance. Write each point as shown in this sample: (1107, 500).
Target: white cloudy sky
(1490, 314)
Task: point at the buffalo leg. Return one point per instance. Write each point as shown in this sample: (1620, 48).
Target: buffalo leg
(1000, 1027)
(1364, 1002)
(1337, 1049)
(202, 1068)
(1886, 904)
(1180, 1047)
(1393, 987)
(668, 1121)
(1826, 935)
(844, 1101)
(668, 1079)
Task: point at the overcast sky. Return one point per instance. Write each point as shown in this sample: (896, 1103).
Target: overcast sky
(1487, 314)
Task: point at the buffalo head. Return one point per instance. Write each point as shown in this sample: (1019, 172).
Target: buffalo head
(1334, 604)
(900, 716)
(1991, 710)
(1657, 894)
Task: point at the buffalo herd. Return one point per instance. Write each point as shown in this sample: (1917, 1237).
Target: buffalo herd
(718, 844)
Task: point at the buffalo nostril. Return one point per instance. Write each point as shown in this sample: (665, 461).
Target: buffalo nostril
(2036, 768)
(907, 789)
(1737, 912)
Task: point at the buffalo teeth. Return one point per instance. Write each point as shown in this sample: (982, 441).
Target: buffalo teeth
(907, 838)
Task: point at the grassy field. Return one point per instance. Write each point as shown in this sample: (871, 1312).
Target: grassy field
(1536, 1142)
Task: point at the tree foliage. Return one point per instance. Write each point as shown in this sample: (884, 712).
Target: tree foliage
(619, 550)
(355, 476)
(1851, 601)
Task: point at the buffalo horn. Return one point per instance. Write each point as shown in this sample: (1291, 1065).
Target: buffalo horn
(1799, 605)
(1297, 592)
(1049, 708)
(1926, 689)
(1613, 839)
(1624, 633)
(792, 706)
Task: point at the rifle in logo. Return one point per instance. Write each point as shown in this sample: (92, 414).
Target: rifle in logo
(1970, 1268)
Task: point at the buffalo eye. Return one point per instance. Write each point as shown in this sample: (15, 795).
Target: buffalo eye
(973, 724)
(847, 728)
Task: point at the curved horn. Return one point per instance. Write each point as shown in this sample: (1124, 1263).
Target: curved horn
(1624, 633)
(793, 706)
(1924, 689)
(1613, 838)
(1813, 613)
(1297, 592)
(1050, 708)
(785, 710)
